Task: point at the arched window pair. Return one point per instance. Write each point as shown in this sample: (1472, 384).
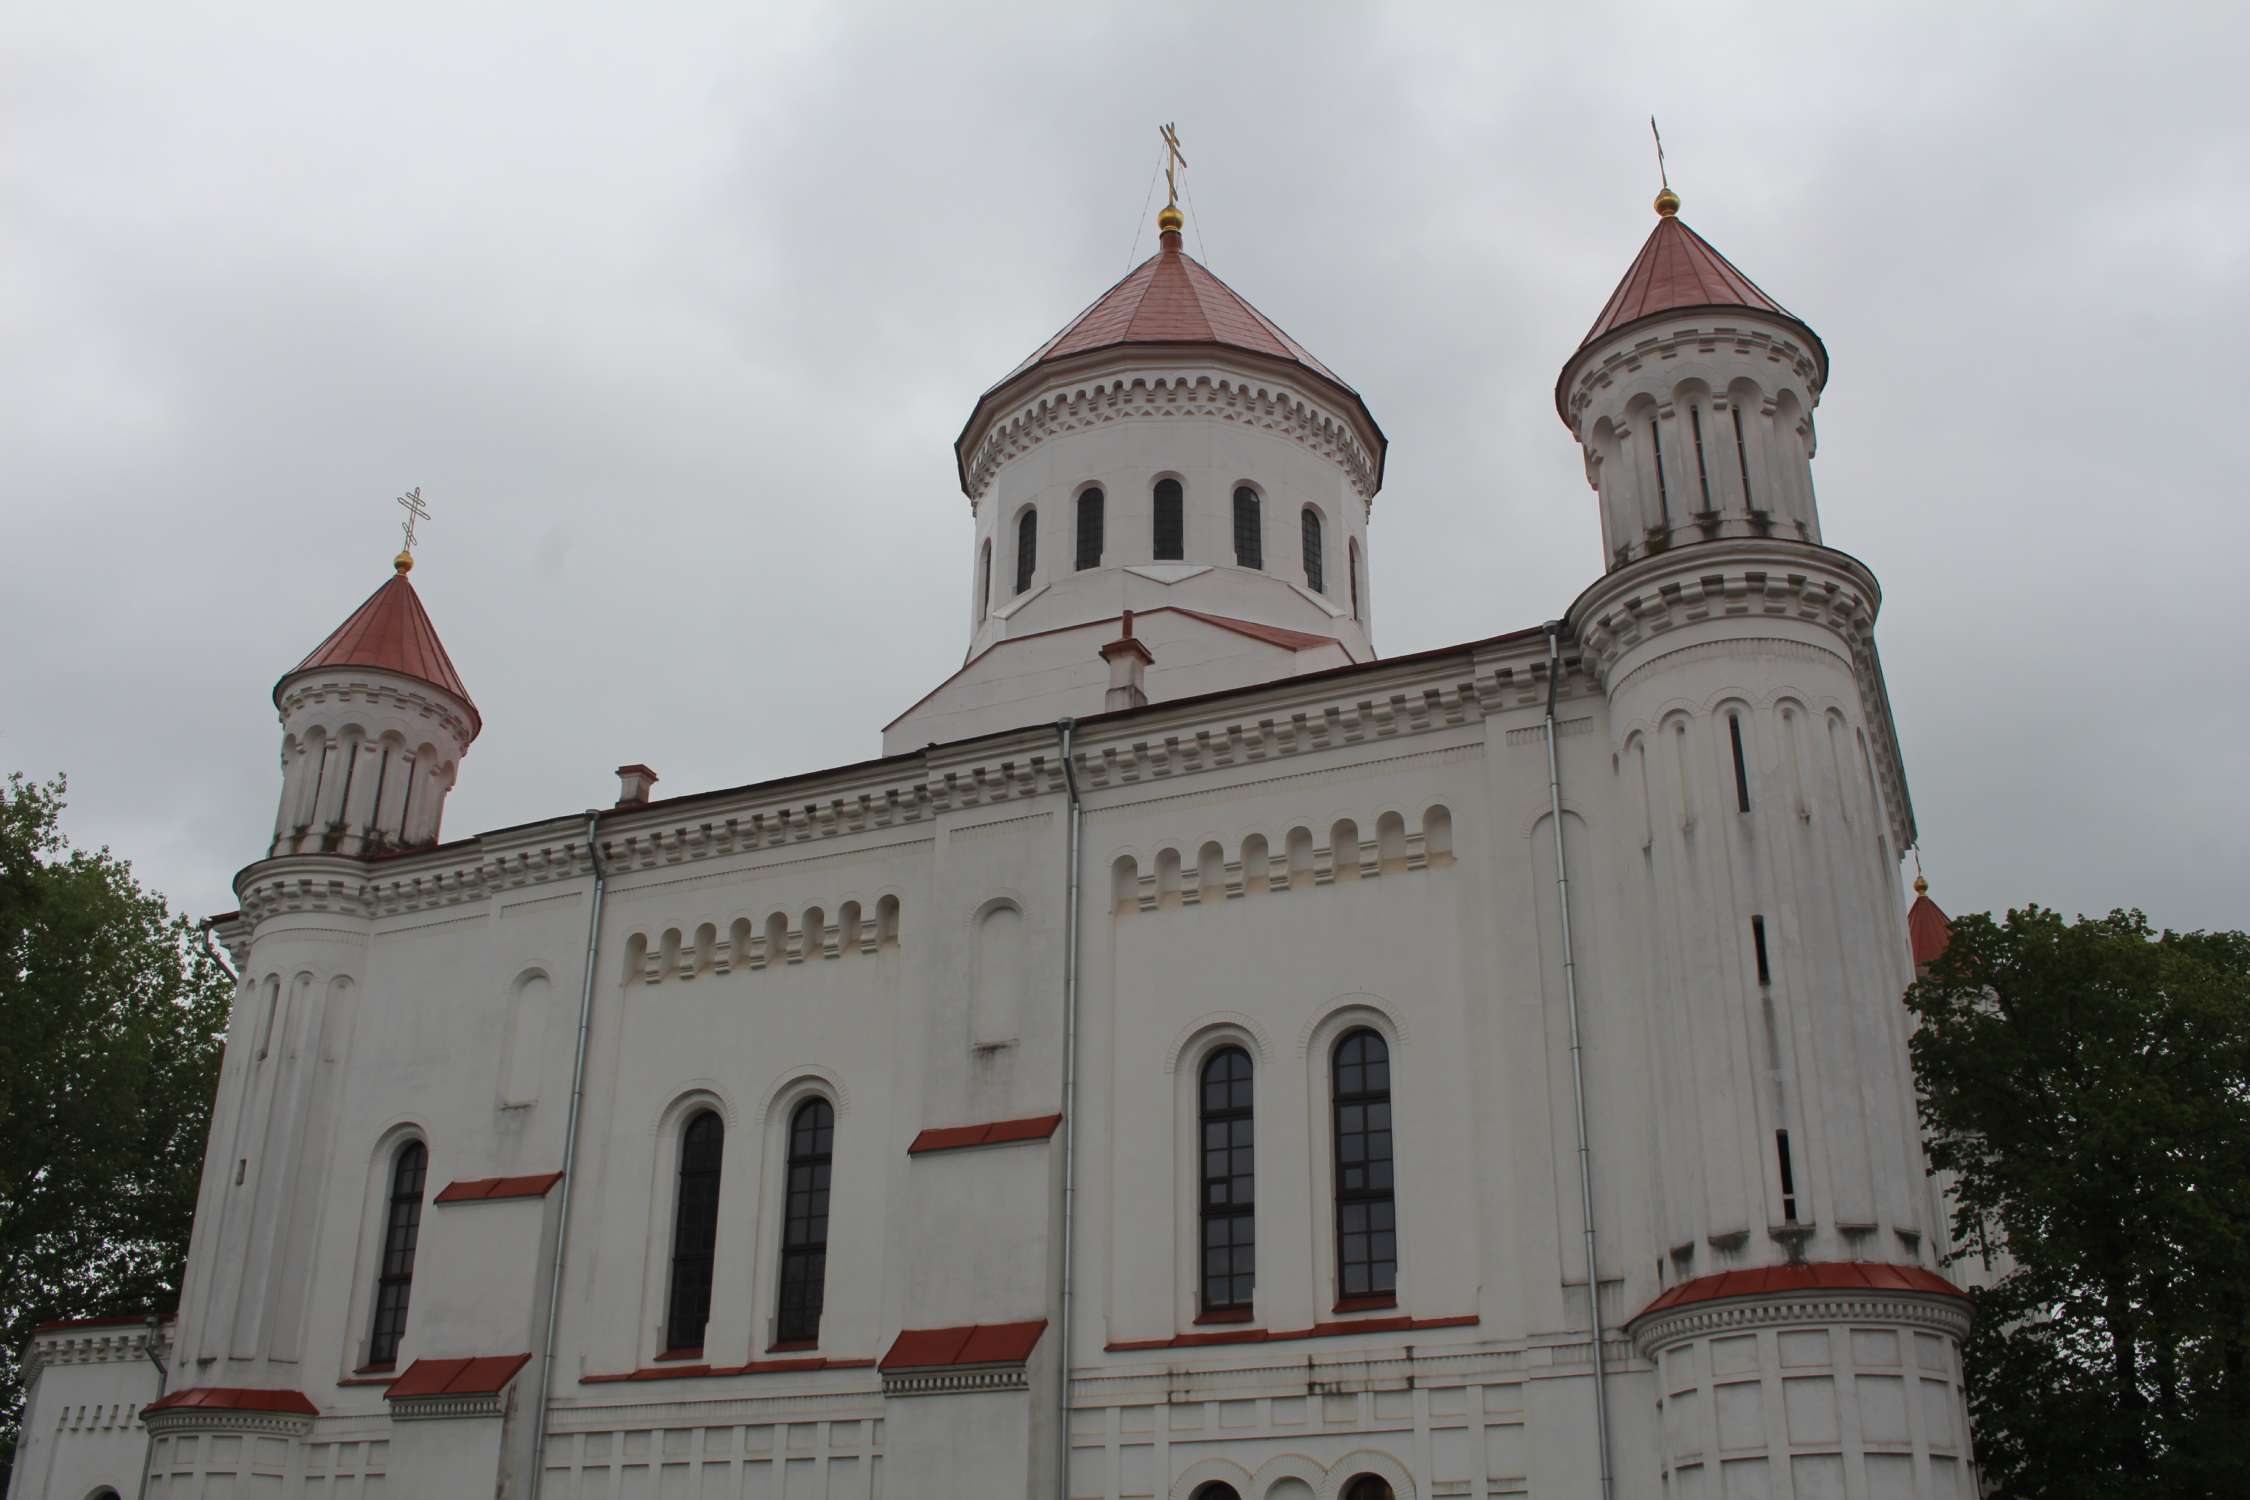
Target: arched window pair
(1365, 1190)
(1365, 1487)
(804, 1232)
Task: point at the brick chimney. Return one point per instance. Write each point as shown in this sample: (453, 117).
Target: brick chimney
(1128, 660)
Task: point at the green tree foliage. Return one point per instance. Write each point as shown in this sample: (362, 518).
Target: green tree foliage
(2088, 1085)
(111, 1019)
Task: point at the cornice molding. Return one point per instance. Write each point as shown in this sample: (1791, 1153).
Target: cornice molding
(438, 1408)
(124, 1343)
(328, 686)
(954, 1382)
(1169, 392)
(1667, 336)
(182, 1419)
(1927, 1311)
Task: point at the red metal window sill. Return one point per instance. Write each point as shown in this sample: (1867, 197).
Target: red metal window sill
(1226, 1315)
(679, 1354)
(793, 1346)
(1365, 1304)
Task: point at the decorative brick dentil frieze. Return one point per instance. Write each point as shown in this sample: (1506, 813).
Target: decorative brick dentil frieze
(1930, 1311)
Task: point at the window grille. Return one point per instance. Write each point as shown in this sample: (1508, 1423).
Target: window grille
(804, 1223)
(402, 1232)
(1229, 1200)
(1366, 1209)
(695, 1230)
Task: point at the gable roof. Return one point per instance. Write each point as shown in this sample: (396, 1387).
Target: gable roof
(390, 632)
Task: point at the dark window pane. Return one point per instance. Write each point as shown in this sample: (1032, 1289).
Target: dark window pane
(695, 1230)
(1366, 1245)
(1027, 549)
(1089, 529)
(1171, 521)
(1313, 569)
(1229, 1180)
(804, 1248)
(1249, 533)
(402, 1232)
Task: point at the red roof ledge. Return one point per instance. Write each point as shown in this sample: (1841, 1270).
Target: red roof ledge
(476, 1375)
(486, 1189)
(1816, 1276)
(234, 1398)
(998, 1133)
(971, 1344)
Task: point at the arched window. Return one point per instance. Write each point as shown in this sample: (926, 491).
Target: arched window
(984, 581)
(1354, 566)
(1369, 1487)
(1089, 529)
(804, 1223)
(402, 1231)
(1249, 535)
(1229, 1201)
(1313, 573)
(695, 1230)
(1027, 548)
(1218, 1489)
(1171, 521)
(1366, 1223)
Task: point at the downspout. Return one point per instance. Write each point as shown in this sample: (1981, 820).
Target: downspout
(211, 946)
(1577, 1064)
(545, 1387)
(148, 1347)
(1069, 1123)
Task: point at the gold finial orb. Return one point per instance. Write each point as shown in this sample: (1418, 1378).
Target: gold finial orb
(404, 563)
(1667, 204)
(1169, 219)
(1921, 886)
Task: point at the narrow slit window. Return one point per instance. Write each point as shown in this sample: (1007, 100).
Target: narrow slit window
(1366, 1204)
(695, 1231)
(1229, 1206)
(1353, 564)
(1249, 532)
(1788, 1177)
(984, 581)
(1027, 549)
(1170, 526)
(1742, 457)
(1758, 941)
(1741, 768)
(1089, 529)
(804, 1229)
(1702, 473)
(402, 1232)
(1314, 573)
(1663, 494)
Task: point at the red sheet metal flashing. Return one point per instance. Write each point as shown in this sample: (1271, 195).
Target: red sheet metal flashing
(998, 1133)
(754, 1367)
(391, 632)
(1272, 635)
(1816, 1276)
(477, 1375)
(234, 1398)
(485, 1189)
(975, 1344)
(1290, 1335)
(1928, 930)
(111, 1320)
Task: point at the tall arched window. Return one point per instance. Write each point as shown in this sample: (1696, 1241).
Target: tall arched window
(695, 1230)
(984, 581)
(402, 1231)
(1314, 574)
(804, 1223)
(1249, 534)
(1369, 1487)
(1027, 548)
(1171, 521)
(1353, 564)
(1366, 1211)
(1089, 529)
(1229, 1200)
(1218, 1489)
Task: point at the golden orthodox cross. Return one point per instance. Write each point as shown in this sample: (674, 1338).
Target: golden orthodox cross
(415, 511)
(1173, 162)
(1661, 178)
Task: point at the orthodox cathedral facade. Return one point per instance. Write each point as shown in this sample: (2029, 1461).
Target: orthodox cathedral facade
(1199, 1058)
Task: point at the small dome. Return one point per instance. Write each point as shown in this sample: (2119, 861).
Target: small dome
(390, 632)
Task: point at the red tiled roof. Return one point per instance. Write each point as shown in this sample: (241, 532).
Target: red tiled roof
(998, 1133)
(1400, 1324)
(975, 1344)
(234, 1398)
(485, 1189)
(1677, 269)
(1172, 299)
(1816, 1276)
(477, 1375)
(1927, 930)
(391, 632)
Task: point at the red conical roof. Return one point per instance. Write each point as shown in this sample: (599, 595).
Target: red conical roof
(391, 632)
(1927, 929)
(1679, 269)
(1173, 299)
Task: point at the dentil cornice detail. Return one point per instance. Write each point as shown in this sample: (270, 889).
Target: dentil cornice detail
(1928, 1311)
(1624, 357)
(1144, 397)
(328, 687)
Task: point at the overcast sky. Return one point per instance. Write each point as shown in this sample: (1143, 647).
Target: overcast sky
(673, 313)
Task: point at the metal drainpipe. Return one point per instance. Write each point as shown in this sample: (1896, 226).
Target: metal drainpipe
(545, 1387)
(163, 1375)
(1577, 1066)
(1069, 1124)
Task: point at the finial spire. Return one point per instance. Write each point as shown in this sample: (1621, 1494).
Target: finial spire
(415, 511)
(1667, 201)
(1169, 219)
(1921, 886)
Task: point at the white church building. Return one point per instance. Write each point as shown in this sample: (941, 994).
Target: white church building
(1199, 1057)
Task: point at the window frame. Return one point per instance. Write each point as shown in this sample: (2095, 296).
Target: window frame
(1254, 531)
(396, 1197)
(1157, 518)
(984, 583)
(818, 1162)
(1081, 561)
(1380, 1203)
(703, 1260)
(1239, 1218)
(1312, 534)
(1027, 549)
